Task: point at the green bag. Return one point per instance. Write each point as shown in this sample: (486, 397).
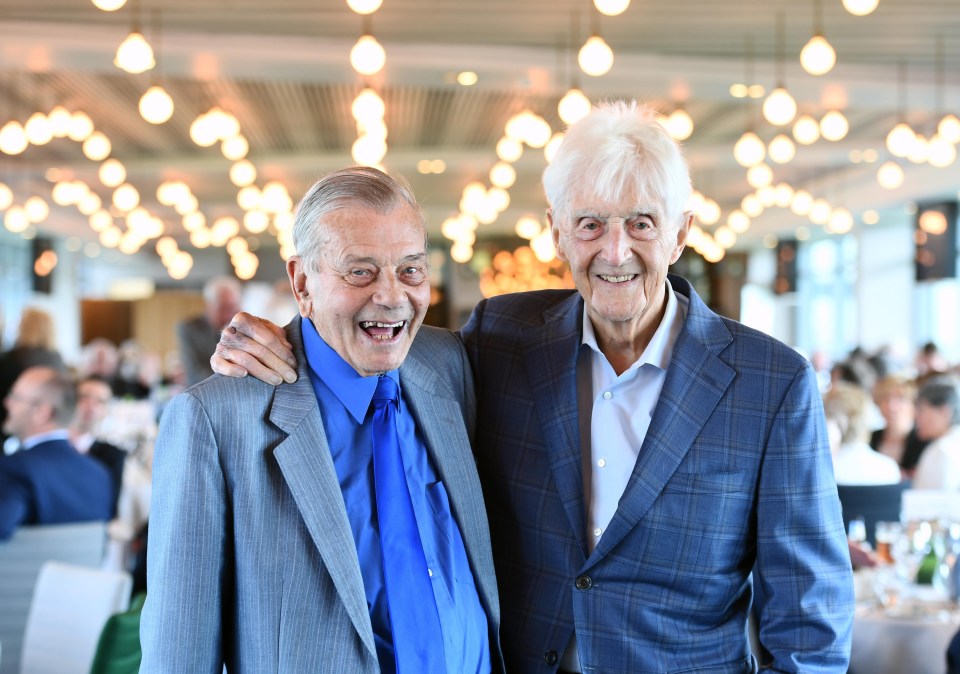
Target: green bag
(118, 651)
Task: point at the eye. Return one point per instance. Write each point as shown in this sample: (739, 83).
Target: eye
(589, 228)
(359, 276)
(642, 227)
(413, 275)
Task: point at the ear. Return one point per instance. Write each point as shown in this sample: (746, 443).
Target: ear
(555, 233)
(682, 232)
(297, 273)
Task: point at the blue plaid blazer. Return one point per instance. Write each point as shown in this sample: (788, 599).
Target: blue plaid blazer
(734, 476)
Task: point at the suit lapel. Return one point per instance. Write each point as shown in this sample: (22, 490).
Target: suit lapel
(305, 461)
(696, 380)
(550, 356)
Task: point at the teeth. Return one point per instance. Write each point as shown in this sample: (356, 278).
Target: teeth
(377, 324)
(618, 279)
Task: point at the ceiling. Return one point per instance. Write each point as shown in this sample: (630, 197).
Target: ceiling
(282, 67)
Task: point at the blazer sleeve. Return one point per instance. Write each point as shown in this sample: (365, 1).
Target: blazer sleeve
(181, 626)
(803, 573)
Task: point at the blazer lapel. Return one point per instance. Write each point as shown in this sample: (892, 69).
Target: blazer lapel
(550, 356)
(305, 461)
(695, 382)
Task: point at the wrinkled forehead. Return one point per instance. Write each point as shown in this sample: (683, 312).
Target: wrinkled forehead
(597, 203)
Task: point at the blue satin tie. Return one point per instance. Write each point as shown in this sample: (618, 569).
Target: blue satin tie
(414, 620)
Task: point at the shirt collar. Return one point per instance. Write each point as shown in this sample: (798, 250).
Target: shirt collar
(353, 391)
(660, 348)
(34, 440)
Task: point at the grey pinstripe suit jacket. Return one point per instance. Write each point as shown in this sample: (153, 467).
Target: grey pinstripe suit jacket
(251, 561)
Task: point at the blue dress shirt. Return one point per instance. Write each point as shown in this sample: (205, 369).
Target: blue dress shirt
(344, 398)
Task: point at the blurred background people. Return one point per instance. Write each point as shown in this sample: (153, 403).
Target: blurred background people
(93, 397)
(99, 358)
(895, 398)
(930, 361)
(34, 345)
(847, 409)
(198, 336)
(47, 481)
(938, 422)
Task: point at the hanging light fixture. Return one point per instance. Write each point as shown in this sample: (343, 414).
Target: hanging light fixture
(902, 138)
(6, 197)
(806, 130)
(749, 150)
(759, 176)
(679, 124)
(156, 105)
(38, 129)
(596, 56)
(134, 55)
(13, 138)
(860, 7)
(109, 5)
(112, 173)
(573, 106)
(364, 6)
(779, 108)
(367, 56)
(948, 128)
(890, 175)
(818, 56)
(834, 126)
(781, 149)
(97, 146)
(611, 7)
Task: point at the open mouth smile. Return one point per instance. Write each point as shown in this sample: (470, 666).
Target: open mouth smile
(383, 332)
(618, 279)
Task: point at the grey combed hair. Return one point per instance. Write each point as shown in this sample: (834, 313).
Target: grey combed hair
(58, 390)
(619, 147)
(356, 185)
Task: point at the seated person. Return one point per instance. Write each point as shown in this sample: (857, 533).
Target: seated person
(895, 398)
(93, 395)
(847, 407)
(938, 422)
(47, 481)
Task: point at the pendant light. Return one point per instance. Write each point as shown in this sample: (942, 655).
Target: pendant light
(749, 150)
(818, 56)
(780, 108)
(596, 56)
(574, 105)
(135, 55)
(367, 56)
(901, 139)
(860, 7)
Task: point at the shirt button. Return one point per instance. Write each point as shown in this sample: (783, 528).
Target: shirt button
(607, 395)
(550, 657)
(597, 531)
(602, 462)
(583, 582)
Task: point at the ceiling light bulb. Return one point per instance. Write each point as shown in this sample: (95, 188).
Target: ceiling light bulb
(949, 129)
(367, 106)
(243, 173)
(841, 221)
(100, 220)
(752, 206)
(738, 221)
(59, 119)
(725, 237)
(109, 5)
(779, 108)
(783, 194)
(16, 219)
(817, 56)
(37, 209)
(890, 175)
(759, 176)
(256, 221)
(81, 126)
(782, 149)
(367, 56)
(126, 197)
(942, 152)
(820, 211)
(90, 203)
(203, 130)
(834, 125)
(112, 173)
(709, 213)
(156, 106)
(38, 129)
(901, 139)
(134, 54)
(801, 202)
(920, 150)
(235, 148)
(537, 131)
(551, 149)
(508, 149)
(595, 57)
(364, 6)
(13, 138)
(574, 106)
(97, 147)
(527, 227)
(860, 7)
(933, 222)
(749, 150)
(806, 130)
(503, 175)
(227, 125)
(611, 7)
(368, 150)
(679, 124)
(6, 197)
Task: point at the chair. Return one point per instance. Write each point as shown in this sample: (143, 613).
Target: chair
(874, 503)
(71, 605)
(118, 650)
(20, 560)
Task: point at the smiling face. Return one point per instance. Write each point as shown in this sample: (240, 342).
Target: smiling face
(369, 289)
(619, 253)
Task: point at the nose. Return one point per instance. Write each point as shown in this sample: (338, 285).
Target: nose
(389, 292)
(616, 245)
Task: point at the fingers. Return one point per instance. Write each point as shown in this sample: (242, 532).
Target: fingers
(238, 354)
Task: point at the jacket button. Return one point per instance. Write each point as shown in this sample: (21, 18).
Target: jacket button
(550, 657)
(584, 582)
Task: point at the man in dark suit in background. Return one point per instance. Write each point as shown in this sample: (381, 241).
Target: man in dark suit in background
(93, 396)
(46, 481)
(640, 455)
(197, 337)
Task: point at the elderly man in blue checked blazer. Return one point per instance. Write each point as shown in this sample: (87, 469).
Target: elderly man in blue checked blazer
(646, 463)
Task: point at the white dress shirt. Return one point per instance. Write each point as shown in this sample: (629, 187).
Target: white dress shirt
(857, 463)
(939, 466)
(614, 414)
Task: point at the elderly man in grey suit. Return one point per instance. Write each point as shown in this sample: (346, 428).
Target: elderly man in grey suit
(330, 525)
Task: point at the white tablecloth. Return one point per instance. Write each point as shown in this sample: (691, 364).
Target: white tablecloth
(901, 645)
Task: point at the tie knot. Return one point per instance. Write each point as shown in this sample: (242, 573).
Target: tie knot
(387, 390)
